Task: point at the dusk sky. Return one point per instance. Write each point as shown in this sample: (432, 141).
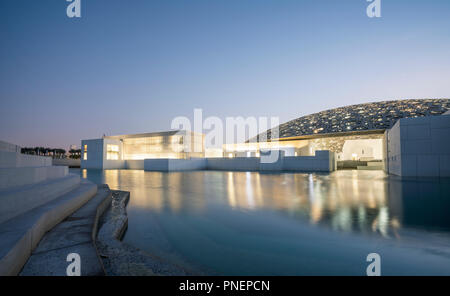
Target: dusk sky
(132, 66)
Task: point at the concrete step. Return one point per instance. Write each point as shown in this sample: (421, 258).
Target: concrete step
(15, 177)
(18, 200)
(76, 234)
(20, 235)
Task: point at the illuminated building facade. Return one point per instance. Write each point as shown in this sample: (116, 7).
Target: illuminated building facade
(405, 137)
(130, 151)
(357, 133)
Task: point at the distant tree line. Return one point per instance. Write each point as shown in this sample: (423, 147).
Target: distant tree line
(75, 153)
(53, 152)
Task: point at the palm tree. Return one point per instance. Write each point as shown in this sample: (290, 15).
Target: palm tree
(54, 152)
(75, 153)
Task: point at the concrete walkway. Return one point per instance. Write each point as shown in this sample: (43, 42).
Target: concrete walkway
(76, 234)
(20, 236)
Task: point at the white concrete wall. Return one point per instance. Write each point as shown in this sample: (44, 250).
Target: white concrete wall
(323, 161)
(134, 164)
(109, 164)
(233, 164)
(420, 147)
(8, 147)
(385, 153)
(167, 165)
(14, 177)
(17, 160)
(28, 181)
(271, 160)
(114, 164)
(288, 151)
(94, 154)
(97, 154)
(306, 151)
(66, 162)
(394, 150)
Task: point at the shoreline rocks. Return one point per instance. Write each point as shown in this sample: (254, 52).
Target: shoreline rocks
(121, 259)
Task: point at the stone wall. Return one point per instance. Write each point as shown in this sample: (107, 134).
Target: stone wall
(28, 181)
(7, 147)
(420, 147)
(134, 164)
(233, 164)
(323, 161)
(73, 163)
(17, 160)
(167, 165)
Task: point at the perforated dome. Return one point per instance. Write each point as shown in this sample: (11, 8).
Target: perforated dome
(361, 117)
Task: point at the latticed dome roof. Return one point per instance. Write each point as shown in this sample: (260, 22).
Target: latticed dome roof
(361, 117)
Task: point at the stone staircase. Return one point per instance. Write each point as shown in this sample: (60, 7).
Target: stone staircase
(34, 197)
(75, 234)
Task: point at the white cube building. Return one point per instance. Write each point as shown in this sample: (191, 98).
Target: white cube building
(130, 151)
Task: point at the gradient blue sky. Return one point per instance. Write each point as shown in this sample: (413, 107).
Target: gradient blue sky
(132, 66)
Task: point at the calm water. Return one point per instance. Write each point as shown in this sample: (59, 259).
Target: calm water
(241, 223)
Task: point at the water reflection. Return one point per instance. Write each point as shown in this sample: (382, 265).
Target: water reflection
(348, 201)
(242, 223)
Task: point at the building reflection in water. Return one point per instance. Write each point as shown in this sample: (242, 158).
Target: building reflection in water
(231, 193)
(347, 201)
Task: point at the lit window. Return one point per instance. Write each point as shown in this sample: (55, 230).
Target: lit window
(230, 155)
(85, 148)
(112, 152)
(177, 140)
(85, 156)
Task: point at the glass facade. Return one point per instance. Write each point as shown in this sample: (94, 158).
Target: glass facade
(112, 152)
(172, 146)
